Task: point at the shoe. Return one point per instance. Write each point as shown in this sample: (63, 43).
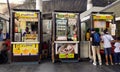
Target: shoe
(116, 63)
(119, 63)
(106, 63)
(112, 64)
(100, 63)
(94, 64)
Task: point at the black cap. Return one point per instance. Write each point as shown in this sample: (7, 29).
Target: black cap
(92, 29)
(105, 32)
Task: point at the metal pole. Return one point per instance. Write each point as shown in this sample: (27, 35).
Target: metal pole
(9, 13)
(8, 7)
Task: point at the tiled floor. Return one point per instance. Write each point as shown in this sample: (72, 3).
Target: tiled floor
(58, 67)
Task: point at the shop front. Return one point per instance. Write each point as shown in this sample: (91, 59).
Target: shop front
(25, 35)
(65, 37)
(99, 21)
(102, 21)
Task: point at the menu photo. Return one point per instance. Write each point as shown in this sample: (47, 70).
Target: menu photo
(66, 50)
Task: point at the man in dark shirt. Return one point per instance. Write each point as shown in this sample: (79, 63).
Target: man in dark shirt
(95, 48)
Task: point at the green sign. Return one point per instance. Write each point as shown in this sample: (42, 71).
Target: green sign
(66, 55)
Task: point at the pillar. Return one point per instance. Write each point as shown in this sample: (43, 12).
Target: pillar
(89, 4)
(39, 5)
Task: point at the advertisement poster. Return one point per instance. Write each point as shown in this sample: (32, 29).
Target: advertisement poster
(25, 49)
(66, 50)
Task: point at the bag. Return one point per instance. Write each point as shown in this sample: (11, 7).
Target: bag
(96, 37)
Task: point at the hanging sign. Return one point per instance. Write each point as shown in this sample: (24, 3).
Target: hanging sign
(104, 17)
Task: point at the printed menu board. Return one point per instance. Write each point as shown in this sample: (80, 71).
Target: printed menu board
(25, 49)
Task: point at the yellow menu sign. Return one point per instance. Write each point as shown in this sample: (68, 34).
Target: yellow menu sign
(66, 55)
(25, 49)
(104, 17)
(26, 14)
(65, 15)
(16, 50)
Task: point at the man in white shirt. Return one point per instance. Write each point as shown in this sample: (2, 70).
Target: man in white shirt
(107, 38)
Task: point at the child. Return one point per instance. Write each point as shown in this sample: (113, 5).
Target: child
(117, 51)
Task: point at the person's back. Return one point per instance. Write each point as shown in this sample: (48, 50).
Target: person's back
(107, 38)
(95, 38)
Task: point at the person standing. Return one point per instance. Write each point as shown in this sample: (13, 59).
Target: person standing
(117, 51)
(87, 37)
(26, 31)
(1, 39)
(95, 38)
(107, 38)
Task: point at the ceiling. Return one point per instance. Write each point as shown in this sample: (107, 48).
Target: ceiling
(72, 5)
(58, 5)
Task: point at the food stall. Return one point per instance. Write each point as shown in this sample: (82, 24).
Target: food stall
(65, 37)
(25, 35)
(103, 20)
(98, 20)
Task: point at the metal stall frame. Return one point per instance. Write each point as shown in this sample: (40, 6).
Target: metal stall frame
(29, 58)
(54, 41)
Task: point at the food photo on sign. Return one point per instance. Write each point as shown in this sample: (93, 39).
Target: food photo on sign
(66, 50)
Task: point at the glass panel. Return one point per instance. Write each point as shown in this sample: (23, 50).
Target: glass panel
(66, 25)
(72, 27)
(25, 26)
(61, 29)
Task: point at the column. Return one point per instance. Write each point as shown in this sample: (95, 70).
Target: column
(89, 4)
(39, 5)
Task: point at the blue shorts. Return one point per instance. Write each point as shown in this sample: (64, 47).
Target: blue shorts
(107, 51)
